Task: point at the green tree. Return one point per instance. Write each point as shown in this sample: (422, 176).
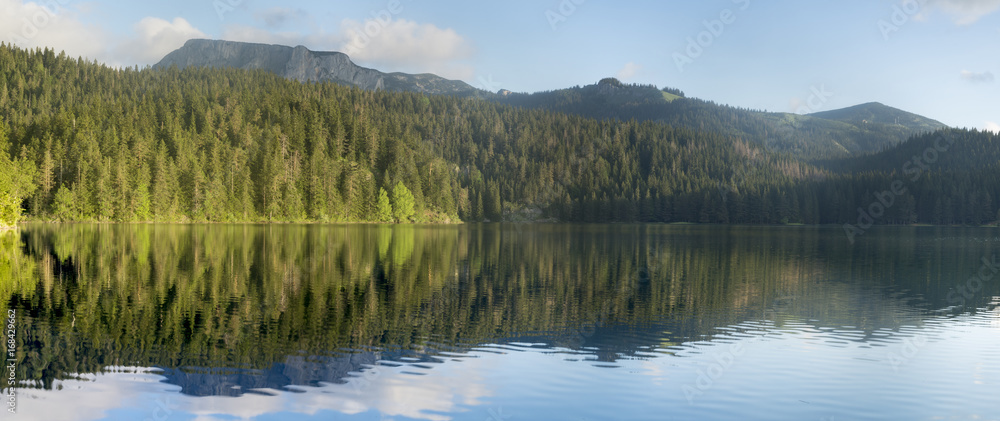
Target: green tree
(141, 200)
(494, 205)
(45, 183)
(16, 183)
(402, 203)
(104, 198)
(62, 207)
(384, 210)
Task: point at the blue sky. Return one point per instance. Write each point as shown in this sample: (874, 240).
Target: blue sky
(937, 58)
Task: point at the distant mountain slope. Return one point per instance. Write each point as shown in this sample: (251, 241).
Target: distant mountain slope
(944, 150)
(301, 64)
(876, 113)
(805, 135)
(864, 129)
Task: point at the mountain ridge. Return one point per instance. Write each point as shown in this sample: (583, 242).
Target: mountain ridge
(305, 65)
(857, 130)
(809, 137)
(879, 113)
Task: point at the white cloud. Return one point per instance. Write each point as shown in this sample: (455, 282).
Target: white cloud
(154, 39)
(966, 12)
(390, 391)
(403, 45)
(992, 127)
(58, 24)
(385, 43)
(31, 25)
(973, 77)
(629, 71)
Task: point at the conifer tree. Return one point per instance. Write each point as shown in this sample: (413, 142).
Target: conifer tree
(384, 209)
(402, 203)
(16, 183)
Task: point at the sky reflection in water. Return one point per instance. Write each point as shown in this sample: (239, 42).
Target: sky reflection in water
(680, 323)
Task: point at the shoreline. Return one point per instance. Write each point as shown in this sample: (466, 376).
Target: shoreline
(460, 223)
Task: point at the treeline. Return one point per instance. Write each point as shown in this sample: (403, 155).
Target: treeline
(231, 145)
(228, 145)
(803, 137)
(951, 177)
(213, 145)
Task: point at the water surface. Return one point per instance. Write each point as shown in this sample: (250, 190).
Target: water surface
(502, 322)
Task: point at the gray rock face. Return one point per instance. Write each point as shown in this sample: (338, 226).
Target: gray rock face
(304, 65)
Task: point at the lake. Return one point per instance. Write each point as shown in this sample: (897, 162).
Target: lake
(502, 322)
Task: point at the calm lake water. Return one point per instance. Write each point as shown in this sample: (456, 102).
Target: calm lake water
(502, 322)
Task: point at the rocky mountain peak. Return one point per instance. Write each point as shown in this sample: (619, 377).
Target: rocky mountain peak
(304, 65)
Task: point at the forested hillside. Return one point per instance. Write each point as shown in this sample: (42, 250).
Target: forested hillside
(92, 143)
(213, 145)
(949, 177)
(874, 113)
(823, 135)
(231, 145)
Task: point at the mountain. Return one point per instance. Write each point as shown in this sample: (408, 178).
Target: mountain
(857, 130)
(304, 65)
(945, 150)
(815, 136)
(228, 145)
(874, 113)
